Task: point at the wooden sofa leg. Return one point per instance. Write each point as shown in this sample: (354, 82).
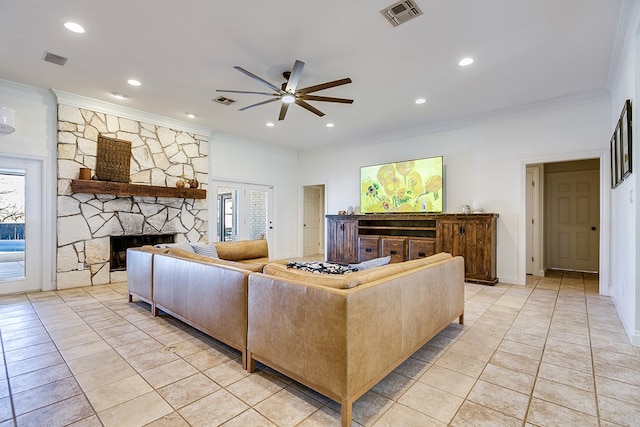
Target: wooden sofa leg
(346, 412)
(154, 309)
(461, 319)
(244, 359)
(249, 364)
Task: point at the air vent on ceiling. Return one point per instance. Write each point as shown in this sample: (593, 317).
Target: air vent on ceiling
(54, 59)
(224, 100)
(401, 12)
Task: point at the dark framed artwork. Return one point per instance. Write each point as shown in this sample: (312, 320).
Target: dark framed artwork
(625, 140)
(615, 159)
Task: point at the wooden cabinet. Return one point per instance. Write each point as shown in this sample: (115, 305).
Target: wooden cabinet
(474, 238)
(357, 238)
(342, 239)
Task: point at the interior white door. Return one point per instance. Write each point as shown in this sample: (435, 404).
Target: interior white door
(311, 225)
(21, 270)
(573, 202)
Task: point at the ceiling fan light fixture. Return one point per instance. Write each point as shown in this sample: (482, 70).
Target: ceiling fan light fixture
(288, 98)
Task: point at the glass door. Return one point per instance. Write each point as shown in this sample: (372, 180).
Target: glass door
(21, 218)
(243, 211)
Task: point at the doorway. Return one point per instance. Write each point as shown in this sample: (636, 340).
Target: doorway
(21, 218)
(562, 222)
(242, 211)
(313, 220)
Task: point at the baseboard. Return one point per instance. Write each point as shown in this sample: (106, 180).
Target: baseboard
(509, 280)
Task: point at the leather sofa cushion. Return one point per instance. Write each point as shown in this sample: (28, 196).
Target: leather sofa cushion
(154, 249)
(342, 281)
(255, 267)
(349, 280)
(242, 250)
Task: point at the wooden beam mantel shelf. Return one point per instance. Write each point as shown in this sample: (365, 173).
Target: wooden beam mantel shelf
(125, 190)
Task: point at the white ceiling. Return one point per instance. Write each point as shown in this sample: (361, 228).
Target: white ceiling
(525, 51)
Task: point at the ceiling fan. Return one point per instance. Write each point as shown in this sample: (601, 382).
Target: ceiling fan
(288, 93)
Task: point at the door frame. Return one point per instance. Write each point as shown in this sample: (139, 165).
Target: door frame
(605, 203)
(323, 221)
(536, 210)
(38, 261)
(321, 224)
(214, 212)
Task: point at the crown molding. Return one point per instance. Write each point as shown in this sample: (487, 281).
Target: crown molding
(628, 22)
(546, 105)
(19, 90)
(83, 102)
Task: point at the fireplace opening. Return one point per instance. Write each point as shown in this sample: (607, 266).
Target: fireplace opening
(120, 244)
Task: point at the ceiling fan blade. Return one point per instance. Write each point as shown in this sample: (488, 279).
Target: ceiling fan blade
(309, 107)
(326, 99)
(325, 85)
(253, 76)
(296, 72)
(246, 91)
(283, 111)
(259, 103)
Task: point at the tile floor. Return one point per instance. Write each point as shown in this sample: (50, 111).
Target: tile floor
(550, 353)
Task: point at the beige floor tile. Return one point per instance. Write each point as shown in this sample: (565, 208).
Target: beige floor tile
(508, 378)
(564, 395)
(431, 401)
(472, 350)
(213, 409)
(92, 421)
(253, 419)
(400, 415)
(5, 409)
(77, 340)
(134, 349)
(94, 361)
(168, 373)
(288, 407)
(462, 364)
(61, 413)
(226, 373)
(40, 377)
(29, 352)
(171, 420)
(619, 412)
(151, 360)
(566, 376)
(483, 337)
(191, 346)
(188, 390)
(515, 362)
(69, 332)
(33, 364)
(569, 348)
(616, 372)
(447, 380)
(256, 388)
(104, 375)
(118, 329)
(618, 390)
(412, 368)
(84, 350)
(26, 341)
(572, 362)
(207, 359)
(117, 392)
(126, 338)
(501, 399)
(616, 358)
(471, 414)
(39, 397)
(137, 412)
(520, 349)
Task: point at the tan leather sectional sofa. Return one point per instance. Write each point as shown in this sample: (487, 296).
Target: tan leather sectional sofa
(338, 335)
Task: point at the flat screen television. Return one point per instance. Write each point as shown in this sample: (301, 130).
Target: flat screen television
(409, 186)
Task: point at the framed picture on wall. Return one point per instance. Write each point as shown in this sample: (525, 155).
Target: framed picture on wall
(625, 140)
(615, 158)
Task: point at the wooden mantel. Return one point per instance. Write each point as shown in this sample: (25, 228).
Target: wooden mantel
(125, 190)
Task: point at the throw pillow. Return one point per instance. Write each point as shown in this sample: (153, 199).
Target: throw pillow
(320, 267)
(376, 262)
(206, 249)
(186, 246)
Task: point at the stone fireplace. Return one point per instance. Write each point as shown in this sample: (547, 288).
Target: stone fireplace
(86, 223)
(120, 244)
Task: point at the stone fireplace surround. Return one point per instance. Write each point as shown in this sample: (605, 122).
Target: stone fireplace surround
(85, 222)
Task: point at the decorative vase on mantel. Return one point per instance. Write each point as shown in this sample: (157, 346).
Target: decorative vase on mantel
(180, 183)
(193, 183)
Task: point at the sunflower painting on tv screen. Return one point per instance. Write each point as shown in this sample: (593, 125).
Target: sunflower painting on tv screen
(410, 186)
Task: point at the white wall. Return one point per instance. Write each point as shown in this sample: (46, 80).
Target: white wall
(236, 159)
(625, 268)
(483, 162)
(35, 138)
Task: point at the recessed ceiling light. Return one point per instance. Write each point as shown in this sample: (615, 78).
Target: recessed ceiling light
(270, 124)
(329, 125)
(72, 26)
(465, 61)
(420, 101)
(134, 82)
(190, 115)
(118, 95)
